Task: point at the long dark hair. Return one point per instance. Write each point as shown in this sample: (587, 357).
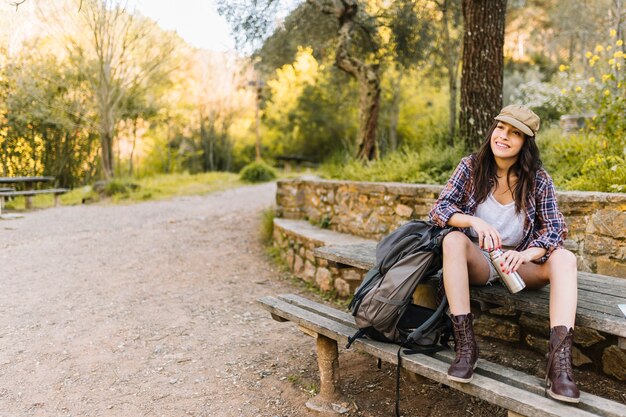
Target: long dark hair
(485, 170)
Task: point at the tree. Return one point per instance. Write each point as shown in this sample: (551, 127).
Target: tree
(483, 66)
(120, 55)
(451, 24)
(358, 47)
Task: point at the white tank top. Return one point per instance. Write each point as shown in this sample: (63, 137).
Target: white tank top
(503, 218)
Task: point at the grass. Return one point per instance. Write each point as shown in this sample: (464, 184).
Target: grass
(158, 187)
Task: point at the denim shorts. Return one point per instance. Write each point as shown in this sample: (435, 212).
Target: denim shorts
(493, 273)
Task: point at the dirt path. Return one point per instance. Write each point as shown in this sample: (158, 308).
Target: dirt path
(146, 309)
(149, 310)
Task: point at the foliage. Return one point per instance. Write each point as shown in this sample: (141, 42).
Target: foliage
(46, 118)
(581, 162)
(604, 95)
(429, 166)
(308, 114)
(257, 172)
(157, 187)
(267, 225)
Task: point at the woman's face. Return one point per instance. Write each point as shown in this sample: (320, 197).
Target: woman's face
(506, 141)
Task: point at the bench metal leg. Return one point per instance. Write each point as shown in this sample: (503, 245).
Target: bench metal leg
(328, 362)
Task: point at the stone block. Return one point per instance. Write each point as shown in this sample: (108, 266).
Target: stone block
(425, 296)
(290, 258)
(585, 337)
(342, 287)
(309, 271)
(352, 274)
(611, 223)
(614, 362)
(506, 311)
(542, 345)
(323, 279)
(403, 210)
(535, 324)
(599, 245)
(298, 265)
(538, 344)
(612, 267)
(490, 326)
(308, 254)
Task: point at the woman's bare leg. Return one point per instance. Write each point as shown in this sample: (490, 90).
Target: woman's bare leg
(560, 271)
(463, 263)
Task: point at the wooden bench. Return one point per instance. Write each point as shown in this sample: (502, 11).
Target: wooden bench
(598, 295)
(517, 392)
(29, 194)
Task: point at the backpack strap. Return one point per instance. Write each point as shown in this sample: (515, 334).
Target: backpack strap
(398, 366)
(360, 333)
(417, 333)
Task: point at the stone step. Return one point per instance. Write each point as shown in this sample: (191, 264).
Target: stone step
(297, 241)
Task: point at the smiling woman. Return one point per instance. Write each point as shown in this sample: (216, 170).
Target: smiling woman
(499, 196)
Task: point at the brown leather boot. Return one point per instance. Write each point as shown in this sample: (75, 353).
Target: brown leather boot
(560, 383)
(462, 369)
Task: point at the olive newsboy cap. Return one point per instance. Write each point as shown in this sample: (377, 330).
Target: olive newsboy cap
(521, 117)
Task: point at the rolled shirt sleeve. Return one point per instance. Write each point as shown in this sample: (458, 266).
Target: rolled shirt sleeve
(549, 230)
(451, 199)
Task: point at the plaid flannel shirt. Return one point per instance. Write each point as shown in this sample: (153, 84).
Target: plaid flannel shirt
(544, 225)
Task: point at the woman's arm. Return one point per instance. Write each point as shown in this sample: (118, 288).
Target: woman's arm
(488, 237)
(450, 200)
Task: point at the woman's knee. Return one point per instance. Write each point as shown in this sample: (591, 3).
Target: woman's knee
(454, 242)
(563, 259)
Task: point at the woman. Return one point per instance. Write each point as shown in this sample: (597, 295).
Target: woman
(501, 197)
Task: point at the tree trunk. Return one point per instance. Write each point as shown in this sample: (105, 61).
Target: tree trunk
(367, 75)
(452, 64)
(132, 149)
(483, 66)
(106, 143)
(394, 111)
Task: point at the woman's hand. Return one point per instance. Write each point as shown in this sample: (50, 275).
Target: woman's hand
(488, 236)
(512, 260)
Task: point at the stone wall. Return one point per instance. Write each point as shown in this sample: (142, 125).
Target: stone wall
(596, 221)
(296, 251)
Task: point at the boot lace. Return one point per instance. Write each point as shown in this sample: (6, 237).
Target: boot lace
(561, 358)
(463, 342)
(564, 353)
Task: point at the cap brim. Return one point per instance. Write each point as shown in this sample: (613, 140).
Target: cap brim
(514, 122)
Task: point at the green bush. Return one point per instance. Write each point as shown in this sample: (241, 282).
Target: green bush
(582, 161)
(257, 172)
(267, 225)
(429, 166)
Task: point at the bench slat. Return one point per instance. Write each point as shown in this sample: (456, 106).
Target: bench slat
(31, 193)
(483, 386)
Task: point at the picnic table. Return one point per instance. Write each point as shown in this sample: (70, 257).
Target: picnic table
(29, 189)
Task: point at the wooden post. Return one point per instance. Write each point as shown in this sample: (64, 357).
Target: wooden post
(57, 201)
(328, 362)
(514, 414)
(28, 202)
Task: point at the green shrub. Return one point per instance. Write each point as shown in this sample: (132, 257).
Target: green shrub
(257, 172)
(582, 161)
(429, 166)
(267, 225)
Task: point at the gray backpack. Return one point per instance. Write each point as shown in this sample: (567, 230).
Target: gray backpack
(382, 305)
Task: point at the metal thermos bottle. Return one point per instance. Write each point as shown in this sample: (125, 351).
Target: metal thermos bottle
(513, 281)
